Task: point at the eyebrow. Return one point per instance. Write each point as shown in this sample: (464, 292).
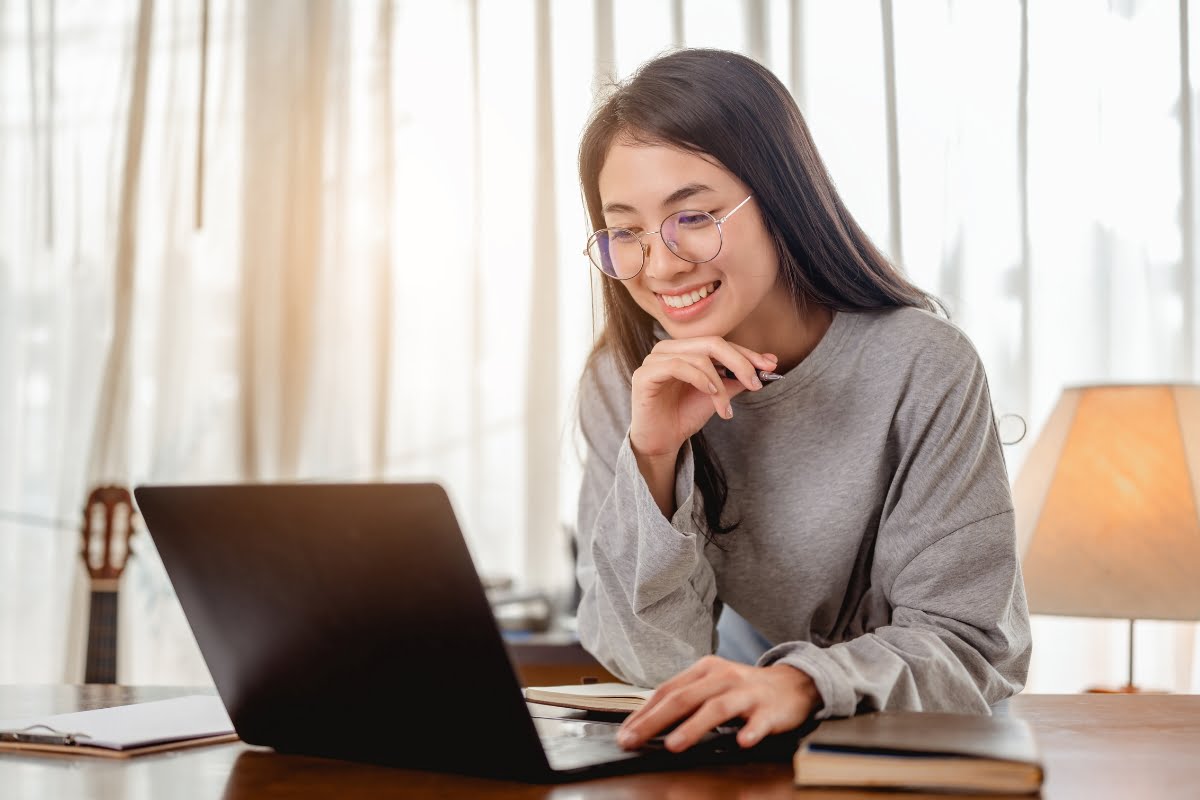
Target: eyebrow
(679, 195)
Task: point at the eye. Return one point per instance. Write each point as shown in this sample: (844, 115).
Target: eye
(621, 235)
(694, 220)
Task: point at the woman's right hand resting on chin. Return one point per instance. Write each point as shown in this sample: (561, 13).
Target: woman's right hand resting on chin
(676, 390)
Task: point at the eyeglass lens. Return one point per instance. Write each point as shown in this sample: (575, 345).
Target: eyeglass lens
(692, 235)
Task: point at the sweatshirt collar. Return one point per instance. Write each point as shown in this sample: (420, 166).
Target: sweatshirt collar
(804, 373)
(824, 354)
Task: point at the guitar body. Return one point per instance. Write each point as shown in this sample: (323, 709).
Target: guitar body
(108, 525)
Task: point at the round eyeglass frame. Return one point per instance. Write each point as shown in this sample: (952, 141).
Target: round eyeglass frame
(587, 251)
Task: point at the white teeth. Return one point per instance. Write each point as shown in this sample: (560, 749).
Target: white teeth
(685, 300)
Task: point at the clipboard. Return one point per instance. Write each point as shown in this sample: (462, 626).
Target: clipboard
(123, 731)
(78, 749)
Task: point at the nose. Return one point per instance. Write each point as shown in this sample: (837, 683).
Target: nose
(661, 261)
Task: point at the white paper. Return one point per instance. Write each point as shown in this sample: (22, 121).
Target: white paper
(599, 690)
(137, 725)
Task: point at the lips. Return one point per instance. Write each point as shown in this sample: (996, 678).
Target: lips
(688, 298)
(695, 306)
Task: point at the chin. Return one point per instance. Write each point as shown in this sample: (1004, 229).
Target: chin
(699, 328)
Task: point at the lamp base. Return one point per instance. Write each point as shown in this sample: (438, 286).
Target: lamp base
(1128, 688)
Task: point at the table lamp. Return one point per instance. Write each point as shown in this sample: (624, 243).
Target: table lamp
(1106, 506)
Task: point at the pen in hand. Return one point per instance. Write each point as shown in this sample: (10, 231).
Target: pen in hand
(763, 375)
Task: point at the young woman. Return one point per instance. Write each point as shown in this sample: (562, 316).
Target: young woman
(855, 514)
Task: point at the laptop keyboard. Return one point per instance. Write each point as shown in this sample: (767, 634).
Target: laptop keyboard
(573, 752)
(572, 744)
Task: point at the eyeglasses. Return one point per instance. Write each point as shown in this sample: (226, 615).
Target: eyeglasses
(694, 236)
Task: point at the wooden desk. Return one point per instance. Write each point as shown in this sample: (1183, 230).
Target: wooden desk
(553, 659)
(1095, 747)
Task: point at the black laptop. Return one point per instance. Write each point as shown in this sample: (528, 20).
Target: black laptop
(348, 621)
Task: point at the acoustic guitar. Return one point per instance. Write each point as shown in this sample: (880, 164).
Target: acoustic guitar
(108, 525)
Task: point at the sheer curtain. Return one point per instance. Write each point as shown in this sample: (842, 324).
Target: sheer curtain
(331, 240)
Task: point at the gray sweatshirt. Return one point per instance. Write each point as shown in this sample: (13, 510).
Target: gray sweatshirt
(877, 547)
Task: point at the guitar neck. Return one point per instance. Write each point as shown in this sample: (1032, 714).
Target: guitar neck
(101, 666)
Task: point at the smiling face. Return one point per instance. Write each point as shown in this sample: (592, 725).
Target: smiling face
(640, 185)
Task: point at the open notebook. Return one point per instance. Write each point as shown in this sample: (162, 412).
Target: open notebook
(123, 731)
(617, 698)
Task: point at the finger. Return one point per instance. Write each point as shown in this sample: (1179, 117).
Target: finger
(725, 391)
(735, 361)
(762, 360)
(663, 369)
(767, 361)
(700, 361)
(675, 706)
(757, 727)
(719, 349)
(683, 678)
(716, 710)
(633, 721)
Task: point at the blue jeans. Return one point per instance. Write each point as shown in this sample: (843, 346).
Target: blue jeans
(737, 640)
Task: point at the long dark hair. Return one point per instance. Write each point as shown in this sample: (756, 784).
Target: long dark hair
(732, 108)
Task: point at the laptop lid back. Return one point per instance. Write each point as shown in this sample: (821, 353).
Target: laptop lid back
(345, 621)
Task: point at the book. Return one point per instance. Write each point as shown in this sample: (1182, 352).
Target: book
(123, 731)
(619, 698)
(915, 750)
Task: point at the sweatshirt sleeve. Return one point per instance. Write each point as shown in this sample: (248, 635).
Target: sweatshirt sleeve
(945, 561)
(648, 593)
